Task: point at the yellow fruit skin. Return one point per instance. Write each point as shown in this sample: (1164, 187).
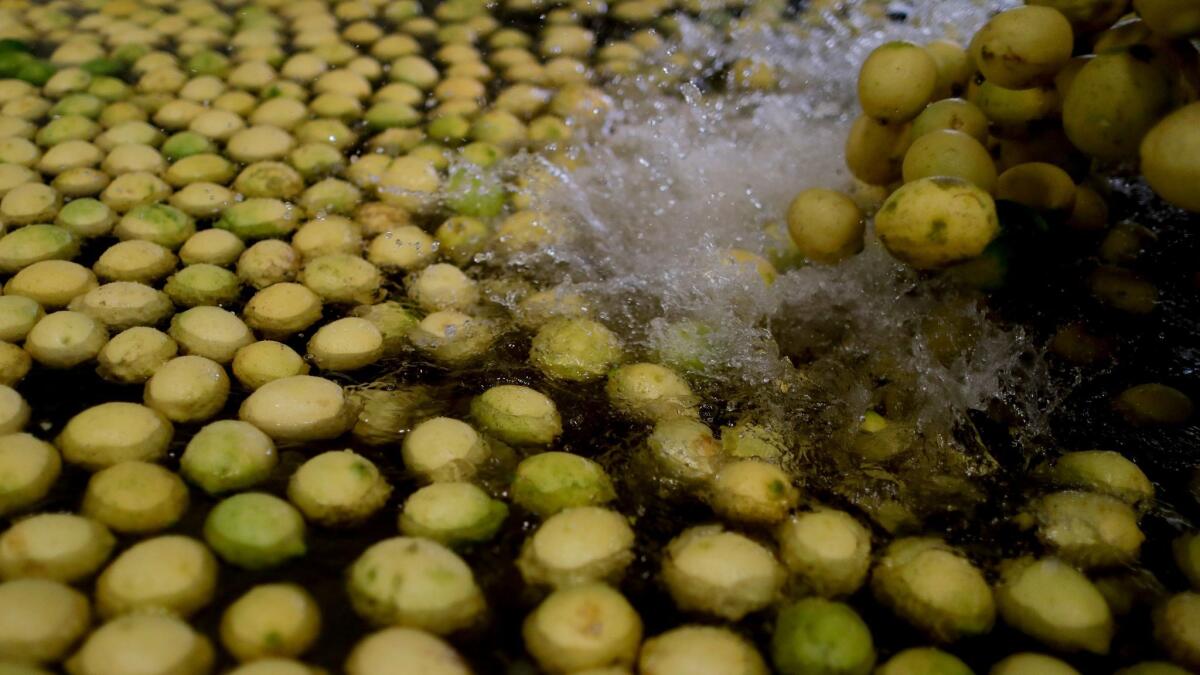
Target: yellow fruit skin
(933, 222)
(1024, 46)
(1170, 155)
(1173, 18)
(1177, 629)
(953, 65)
(935, 588)
(875, 150)
(950, 153)
(1111, 103)
(1038, 185)
(1066, 75)
(1090, 211)
(1056, 604)
(1048, 144)
(825, 225)
(1087, 15)
(1013, 108)
(896, 81)
(952, 113)
(1126, 33)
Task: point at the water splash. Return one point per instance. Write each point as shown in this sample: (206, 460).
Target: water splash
(684, 172)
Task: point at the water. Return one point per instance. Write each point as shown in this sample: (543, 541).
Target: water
(681, 173)
(687, 168)
(684, 170)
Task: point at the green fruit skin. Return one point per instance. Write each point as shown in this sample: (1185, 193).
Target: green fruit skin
(561, 481)
(255, 531)
(11, 62)
(821, 637)
(104, 66)
(9, 45)
(924, 661)
(471, 195)
(36, 73)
